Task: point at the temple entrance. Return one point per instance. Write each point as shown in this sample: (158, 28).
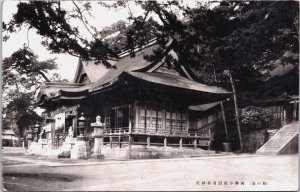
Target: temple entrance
(119, 117)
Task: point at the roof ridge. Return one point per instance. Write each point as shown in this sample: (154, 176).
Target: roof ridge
(138, 48)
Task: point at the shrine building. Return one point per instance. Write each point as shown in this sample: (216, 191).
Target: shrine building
(141, 103)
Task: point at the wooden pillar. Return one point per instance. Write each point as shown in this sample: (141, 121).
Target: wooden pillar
(119, 142)
(224, 121)
(110, 141)
(148, 141)
(156, 122)
(163, 120)
(295, 110)
(151, 119)
(74, 125)
(171, 123)
(165, 142)
(284, 117)
(187, 121)
(145, 128)
(237, 116)
(53, 133)
(137, 117)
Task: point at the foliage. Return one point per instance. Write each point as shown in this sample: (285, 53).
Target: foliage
(22, 62)
(50, 20)
(244, 38)
(23, 72)
(20, 111)
(255, 118)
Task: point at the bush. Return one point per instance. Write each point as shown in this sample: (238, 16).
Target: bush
(255, 118)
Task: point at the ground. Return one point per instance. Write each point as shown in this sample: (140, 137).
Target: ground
(228, 172)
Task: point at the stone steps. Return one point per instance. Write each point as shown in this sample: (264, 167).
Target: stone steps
(280, 139)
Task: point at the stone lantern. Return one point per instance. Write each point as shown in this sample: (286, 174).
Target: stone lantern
(29, 135)
(81, 148)
(81, 126)
(98, 135)
(36, 130)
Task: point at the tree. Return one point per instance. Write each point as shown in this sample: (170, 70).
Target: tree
(243, 38)
(22, 75)
(255, 118)
(21, 112)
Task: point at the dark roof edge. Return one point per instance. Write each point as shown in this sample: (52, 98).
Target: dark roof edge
(64, 83)
(78, 69)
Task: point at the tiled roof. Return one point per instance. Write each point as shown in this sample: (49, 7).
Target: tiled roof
(204, 107)
(95, 71)
(128, 64)
(178, 81)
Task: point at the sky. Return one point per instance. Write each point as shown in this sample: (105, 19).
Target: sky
(102, 17)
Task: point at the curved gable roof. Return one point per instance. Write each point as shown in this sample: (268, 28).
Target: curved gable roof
(127, 64)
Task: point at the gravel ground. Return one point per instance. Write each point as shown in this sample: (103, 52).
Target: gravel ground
(216, 173)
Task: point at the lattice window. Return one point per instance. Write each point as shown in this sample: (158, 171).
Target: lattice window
(184, 122)
(153, 122)
(148, 120)
(168, 121)
(159, 120)
(107, 122)
(142, 118)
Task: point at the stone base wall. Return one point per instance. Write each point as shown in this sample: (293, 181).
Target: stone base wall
(140, 152)
(291, 147)
(254, 140)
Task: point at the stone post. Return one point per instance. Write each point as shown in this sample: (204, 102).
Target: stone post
(98, 135)
(148, 141)
(165, 142)
(29, 136)
(130, 139)
(180, 143)
(81, 149)
(52, 122)
(195, 143)
(35, 146)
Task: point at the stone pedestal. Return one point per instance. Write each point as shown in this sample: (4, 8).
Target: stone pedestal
(81, 150)
(69, 143)
(98, 135)
(97, 149)
(35, 147)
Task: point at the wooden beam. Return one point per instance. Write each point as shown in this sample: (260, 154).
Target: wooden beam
(119, 141)
(224, 121)
(145, 128)
(163, 120)
(187, 120)
(137, 117)
(110, 141)
(156, 123)
(53, 134)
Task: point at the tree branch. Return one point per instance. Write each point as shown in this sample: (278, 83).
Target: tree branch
(82, 19)
(44, 76)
